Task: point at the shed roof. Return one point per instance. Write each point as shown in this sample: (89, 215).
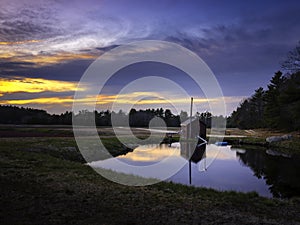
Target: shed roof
(188, 121)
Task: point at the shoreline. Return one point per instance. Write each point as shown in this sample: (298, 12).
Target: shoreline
(45, 189)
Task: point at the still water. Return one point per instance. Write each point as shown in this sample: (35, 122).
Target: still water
(267, 172)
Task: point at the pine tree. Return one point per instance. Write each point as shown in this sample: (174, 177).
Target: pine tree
(273, 105)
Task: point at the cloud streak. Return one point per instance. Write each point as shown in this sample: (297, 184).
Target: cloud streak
(33, 30)
(34, 85)
(140, 100)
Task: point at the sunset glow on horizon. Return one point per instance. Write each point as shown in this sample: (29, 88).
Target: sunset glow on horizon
(46, 46)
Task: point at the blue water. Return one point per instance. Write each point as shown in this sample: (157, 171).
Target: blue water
(266, 172)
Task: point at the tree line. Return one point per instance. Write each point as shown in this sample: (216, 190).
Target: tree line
(20, 115)
(276, 107)
(135, 118)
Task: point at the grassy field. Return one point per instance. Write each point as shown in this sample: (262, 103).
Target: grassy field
(44, 181)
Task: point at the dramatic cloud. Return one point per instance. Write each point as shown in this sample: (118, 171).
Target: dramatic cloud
(35, 32)
(247, 52)
(243, 42)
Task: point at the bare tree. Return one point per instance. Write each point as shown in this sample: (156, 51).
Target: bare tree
(292, 63)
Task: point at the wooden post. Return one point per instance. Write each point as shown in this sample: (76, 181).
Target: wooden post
(170, 139)
(190, 136)
(191, 114)
(190, 171)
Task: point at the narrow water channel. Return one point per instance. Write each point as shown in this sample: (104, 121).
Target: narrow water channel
(267, 172)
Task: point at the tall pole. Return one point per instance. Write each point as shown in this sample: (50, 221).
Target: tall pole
(191, 114)
(190, 171)
(190, 136)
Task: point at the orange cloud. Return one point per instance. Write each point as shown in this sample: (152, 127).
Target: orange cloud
(101, 99)
(42, 60)
(38, 85)
(29, 51)
(34, 85)
(129, 98)
(18, 42)
(44, 101)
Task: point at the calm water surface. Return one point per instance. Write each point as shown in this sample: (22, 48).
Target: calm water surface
(267, 172)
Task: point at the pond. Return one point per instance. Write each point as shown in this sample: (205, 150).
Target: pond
(267, 172)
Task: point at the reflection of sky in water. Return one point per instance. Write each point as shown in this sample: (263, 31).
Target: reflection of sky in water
(226, 172)
(150, 154)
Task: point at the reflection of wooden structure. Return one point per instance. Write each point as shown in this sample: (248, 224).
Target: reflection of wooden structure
(193, 140)
(193, 152)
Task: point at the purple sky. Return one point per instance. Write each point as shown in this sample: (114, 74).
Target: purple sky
(242, 42)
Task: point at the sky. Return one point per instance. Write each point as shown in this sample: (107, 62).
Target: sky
(47, 45)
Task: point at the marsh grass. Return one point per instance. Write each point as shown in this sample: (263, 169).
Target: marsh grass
(43, 181)
(44, 189)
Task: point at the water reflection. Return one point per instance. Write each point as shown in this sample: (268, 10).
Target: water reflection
(243, 170)
(150, 154)
(281, 172)
(193, 153)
